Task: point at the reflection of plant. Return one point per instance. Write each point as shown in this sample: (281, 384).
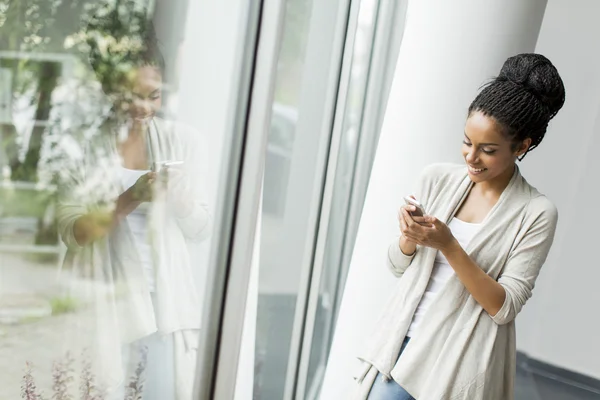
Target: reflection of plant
(135, 389)
(63, 305)
(62, 377)
(30, 26)
(28, 388)
(112, 40)
(88, 389)
(115, 40)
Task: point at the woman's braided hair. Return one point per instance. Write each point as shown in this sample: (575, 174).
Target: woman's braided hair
(523, 99)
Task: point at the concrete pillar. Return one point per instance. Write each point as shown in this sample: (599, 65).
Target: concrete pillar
(449, 49)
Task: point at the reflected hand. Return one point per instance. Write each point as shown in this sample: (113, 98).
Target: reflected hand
(93, 226)
(178, 191)
(143, 189)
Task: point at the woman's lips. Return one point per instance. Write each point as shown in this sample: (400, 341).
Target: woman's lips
(476, 171)
(143, 117)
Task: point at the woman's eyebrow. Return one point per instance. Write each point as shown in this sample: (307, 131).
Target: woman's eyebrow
(483, 144)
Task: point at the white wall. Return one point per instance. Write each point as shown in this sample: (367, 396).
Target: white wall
(561, 323)
(449, 49)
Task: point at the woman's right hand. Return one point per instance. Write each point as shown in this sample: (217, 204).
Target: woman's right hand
(143, 189)
(97, 224)
(404, 218)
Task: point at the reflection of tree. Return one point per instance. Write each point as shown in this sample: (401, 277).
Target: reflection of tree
(35, 26)
(115, 41)
(27, 27)
(293, 46)
(107, 35)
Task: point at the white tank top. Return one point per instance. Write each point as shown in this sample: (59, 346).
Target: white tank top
(442, 271)
(138, 223)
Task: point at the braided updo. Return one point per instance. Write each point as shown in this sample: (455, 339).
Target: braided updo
(523, 99)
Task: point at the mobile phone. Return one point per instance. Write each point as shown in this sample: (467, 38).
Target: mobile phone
(172, 164)
(420, 209)
(159, 166)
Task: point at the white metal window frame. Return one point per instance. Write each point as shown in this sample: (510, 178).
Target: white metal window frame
(309, 312)
(321, 76)
(389, 31)
(385, 44)
(231, 253)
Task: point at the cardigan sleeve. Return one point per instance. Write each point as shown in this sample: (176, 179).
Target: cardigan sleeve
(67, 169)
(397, 261)
(67, 214)
(524, 263)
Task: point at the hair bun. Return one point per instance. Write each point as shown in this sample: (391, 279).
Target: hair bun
(537, 75)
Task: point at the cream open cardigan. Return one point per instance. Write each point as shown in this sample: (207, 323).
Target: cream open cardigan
(108, 273)
(459, 350)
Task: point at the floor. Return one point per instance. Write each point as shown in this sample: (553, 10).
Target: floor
(541, 382)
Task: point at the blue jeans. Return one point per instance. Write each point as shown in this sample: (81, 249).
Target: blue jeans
(158, 373)
(390, 390)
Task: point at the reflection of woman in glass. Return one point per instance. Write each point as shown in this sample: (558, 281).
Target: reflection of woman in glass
(126, 217)
(449, 330)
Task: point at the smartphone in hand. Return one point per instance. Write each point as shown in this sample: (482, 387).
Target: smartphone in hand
(420, 209)
(161, 166)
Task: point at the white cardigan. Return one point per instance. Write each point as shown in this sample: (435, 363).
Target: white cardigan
(109, 272)
(460, 351)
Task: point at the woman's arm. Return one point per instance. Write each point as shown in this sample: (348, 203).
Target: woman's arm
(502, 299)
(397, 259)
(90, 226)
(484, 289)
(408, 248)
(402, 251)
(94, 225)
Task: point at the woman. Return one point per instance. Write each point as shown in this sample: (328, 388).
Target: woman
(469, 265)
(126, 214)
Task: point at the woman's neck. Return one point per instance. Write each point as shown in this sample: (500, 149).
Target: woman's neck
(137, 130)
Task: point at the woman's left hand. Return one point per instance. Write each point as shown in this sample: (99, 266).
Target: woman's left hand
(178, 191)
(427, 231)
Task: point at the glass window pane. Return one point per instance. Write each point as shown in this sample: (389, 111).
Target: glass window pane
(338, 217)
(295, 164)
(112, 134)
(278, 281)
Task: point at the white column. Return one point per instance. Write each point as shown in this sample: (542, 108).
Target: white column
(449, 49)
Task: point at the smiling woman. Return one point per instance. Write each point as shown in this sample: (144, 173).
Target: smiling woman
(131, 239)
(473, 261)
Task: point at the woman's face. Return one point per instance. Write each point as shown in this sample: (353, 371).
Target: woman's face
(146, 93)
(487, 151)
(138, 94)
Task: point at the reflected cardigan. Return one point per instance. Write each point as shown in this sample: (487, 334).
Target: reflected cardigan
(459, 350)
(113, 279)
